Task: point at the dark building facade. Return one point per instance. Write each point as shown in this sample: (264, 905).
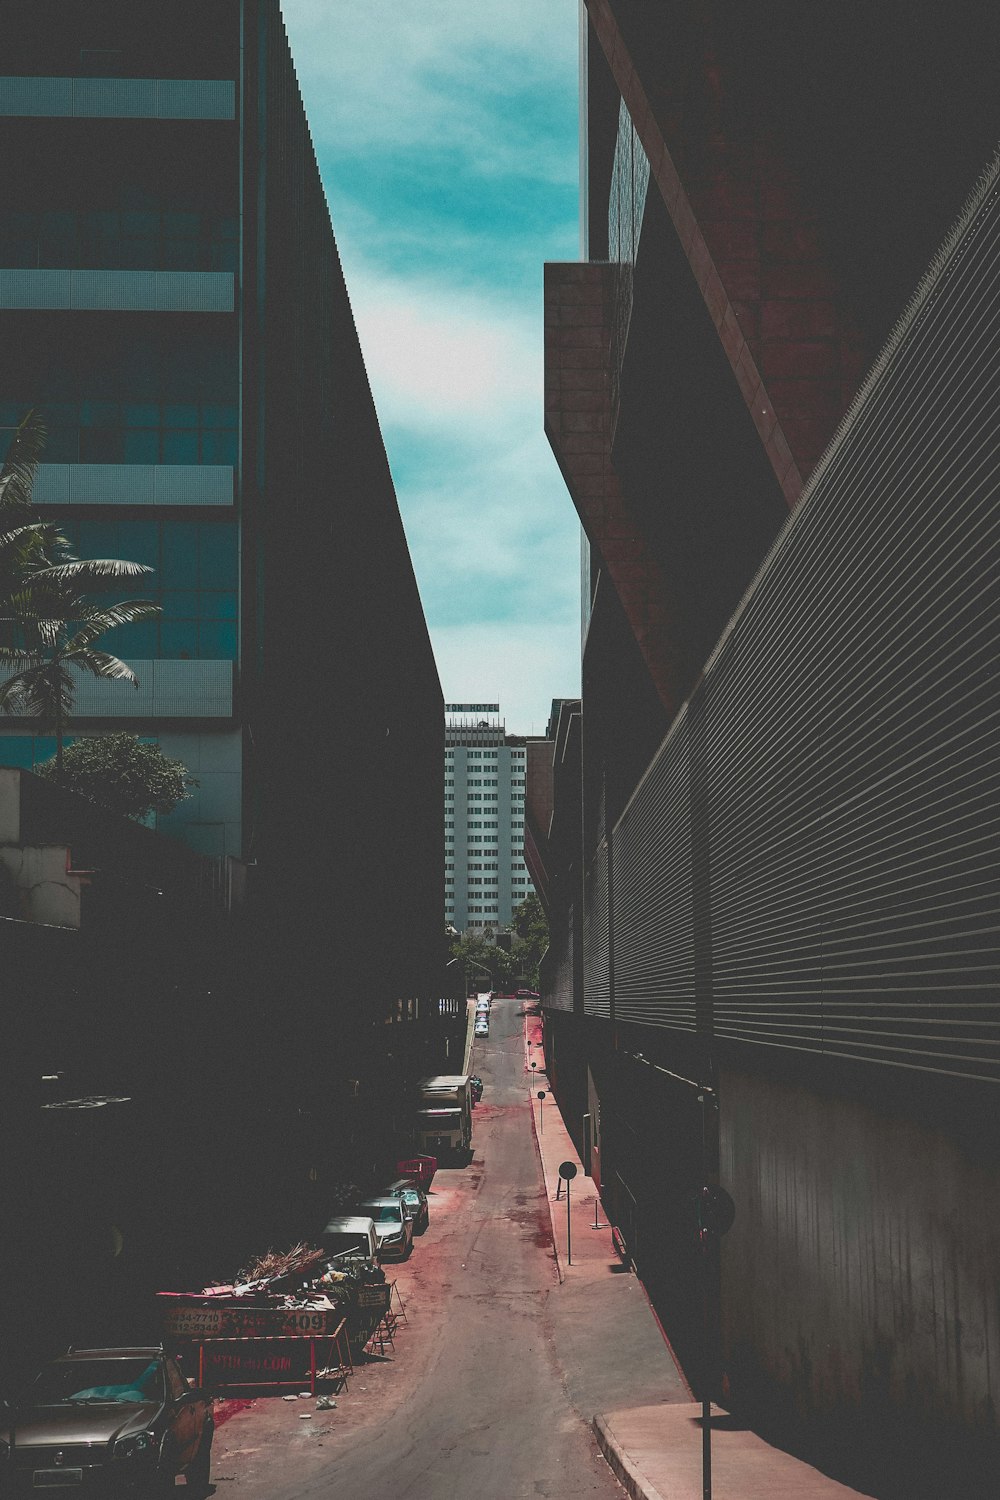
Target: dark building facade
(788, 774)
(172, 300)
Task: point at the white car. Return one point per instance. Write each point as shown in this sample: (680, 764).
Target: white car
(482, 1026)
(482, 1007)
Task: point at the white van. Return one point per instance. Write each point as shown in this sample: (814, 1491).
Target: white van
(483, 1006)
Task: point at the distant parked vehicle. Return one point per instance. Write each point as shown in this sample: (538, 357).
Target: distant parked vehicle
(108, 1422)
(393, 1229)
(414, 1201)
(482, 1027)
(351, 1236)
(482, 1006)
(420, 1167)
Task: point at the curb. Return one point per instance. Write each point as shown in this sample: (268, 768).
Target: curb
(545, 1189)
(632, 1480)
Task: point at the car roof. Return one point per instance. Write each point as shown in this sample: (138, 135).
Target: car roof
(142, 1351)
(349, 1224)
(381, 1199)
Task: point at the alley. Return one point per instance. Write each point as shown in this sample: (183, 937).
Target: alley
(473, 1399)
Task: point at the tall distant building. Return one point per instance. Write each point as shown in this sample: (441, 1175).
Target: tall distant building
(484, 786)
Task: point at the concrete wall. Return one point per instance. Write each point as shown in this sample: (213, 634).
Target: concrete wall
(859, 1280)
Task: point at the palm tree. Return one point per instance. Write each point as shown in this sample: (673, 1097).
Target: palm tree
(48, 621)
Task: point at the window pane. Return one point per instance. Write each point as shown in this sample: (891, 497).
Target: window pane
(139, 541)
(180, 555)
(180, 447)
(132, 642)
(218, 640)
(179, 638)
(218, 446)
(217, 606)
(182, 415)
(145, 415)
(219, 568)
(142, 447)
(180, 605)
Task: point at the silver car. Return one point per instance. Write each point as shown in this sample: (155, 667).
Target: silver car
(393, 1229)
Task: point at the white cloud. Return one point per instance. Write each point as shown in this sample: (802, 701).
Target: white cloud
(435, 356)
(520, 667)
(430, 75)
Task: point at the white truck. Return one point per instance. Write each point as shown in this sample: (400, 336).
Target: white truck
(444, 1115)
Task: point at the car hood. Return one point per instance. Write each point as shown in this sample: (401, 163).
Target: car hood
(41, 1426)
(384, 1231)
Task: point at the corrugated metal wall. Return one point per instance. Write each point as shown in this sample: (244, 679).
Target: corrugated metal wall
(839, 759)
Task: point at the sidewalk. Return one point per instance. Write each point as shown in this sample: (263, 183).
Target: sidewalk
(620, 1370)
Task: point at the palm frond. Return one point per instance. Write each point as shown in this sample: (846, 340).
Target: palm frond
(102, 664)
(94, 571)
(97, 621)
(17, 476)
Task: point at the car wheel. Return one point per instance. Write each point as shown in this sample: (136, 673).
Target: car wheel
(199, 1470)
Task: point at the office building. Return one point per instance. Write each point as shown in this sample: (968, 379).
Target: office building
(171, 299)
(485, 772)
(779, 805)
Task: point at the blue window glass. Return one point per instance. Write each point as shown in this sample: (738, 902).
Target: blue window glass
(219, 562)
(180, 605)
(179, 638)
(100, 414)
(218, 640)
(62, 446)
(179, 567)
(218, 606)
(180, 415)
(140, 542)
(141, 446)
(144, 414)
(98, 539)
(132, 642)
(180, 446)
(215, 415)
(218, 446)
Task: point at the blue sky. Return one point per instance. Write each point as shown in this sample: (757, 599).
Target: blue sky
(447, 137)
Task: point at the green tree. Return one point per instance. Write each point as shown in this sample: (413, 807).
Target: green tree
(120, 773)
(49, 620)
(530, 928)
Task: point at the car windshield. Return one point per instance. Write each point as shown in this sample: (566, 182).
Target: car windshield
(82, 1380)
(388, 1214)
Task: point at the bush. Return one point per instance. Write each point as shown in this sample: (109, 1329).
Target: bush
(123, 775)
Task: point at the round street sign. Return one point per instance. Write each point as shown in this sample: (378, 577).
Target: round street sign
(541, 1093)
(567, 1170)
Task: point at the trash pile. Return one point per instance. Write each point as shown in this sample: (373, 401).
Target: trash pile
(301, 1292)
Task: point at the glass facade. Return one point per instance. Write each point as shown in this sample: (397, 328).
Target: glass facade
(144, 394)
(143, 239)
(195, 582)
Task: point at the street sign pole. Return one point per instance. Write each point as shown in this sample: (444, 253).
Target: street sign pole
(567, 1171)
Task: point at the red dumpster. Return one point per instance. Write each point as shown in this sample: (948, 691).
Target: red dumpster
(420, 1167)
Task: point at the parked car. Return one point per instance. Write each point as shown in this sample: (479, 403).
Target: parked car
(482, 1026)
(414, 1202)
(351, 1236)
(482, 1007)
(393, 1229)
(108, 1421)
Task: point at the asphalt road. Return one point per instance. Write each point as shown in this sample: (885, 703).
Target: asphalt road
(472, 1401)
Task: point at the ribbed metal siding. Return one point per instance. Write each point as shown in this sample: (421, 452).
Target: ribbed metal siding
(851, 773)
(596, 940)
(654, 944)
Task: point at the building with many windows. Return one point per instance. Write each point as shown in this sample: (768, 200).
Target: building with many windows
(172, 300)
(485, 772)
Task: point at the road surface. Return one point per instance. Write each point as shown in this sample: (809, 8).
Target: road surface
(472, 1402)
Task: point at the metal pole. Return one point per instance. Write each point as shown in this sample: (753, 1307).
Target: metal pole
(569, 1250)
(706, 1394)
